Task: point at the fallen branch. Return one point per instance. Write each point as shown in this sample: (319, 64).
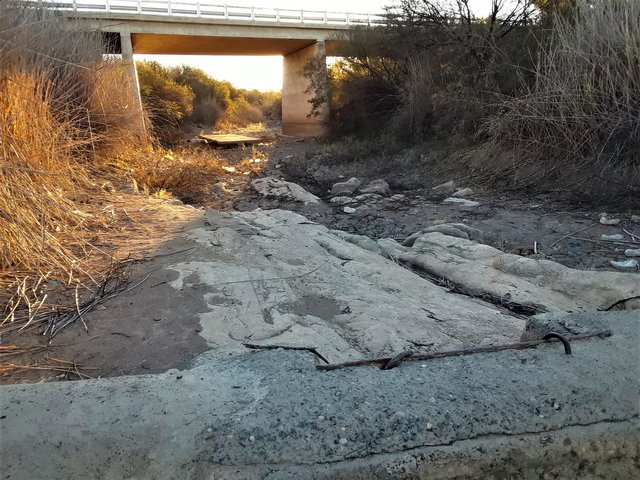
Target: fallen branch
(383, 362)
(286, 347)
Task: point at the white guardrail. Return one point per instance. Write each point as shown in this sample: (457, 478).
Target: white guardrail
(203, 9)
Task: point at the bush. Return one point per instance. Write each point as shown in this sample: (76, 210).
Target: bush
(166, 101)
(206, 110)
(243, 113)
(431, 71)
(581, 116)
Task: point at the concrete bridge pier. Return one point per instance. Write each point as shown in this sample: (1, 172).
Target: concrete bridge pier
(296, 109)
(131, 77)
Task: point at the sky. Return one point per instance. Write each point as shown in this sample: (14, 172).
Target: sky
(265, 73)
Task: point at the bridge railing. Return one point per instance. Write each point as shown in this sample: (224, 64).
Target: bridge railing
(205, 9)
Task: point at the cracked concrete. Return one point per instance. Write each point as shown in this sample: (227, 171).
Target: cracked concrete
(270, 414)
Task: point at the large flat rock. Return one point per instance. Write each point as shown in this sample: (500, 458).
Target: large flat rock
(270, 414)
(274, 277)
(535, 284)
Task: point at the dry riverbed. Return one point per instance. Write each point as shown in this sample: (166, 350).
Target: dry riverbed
(222, 278)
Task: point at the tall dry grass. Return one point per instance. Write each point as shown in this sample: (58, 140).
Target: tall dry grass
(62, 112)
(579, 122)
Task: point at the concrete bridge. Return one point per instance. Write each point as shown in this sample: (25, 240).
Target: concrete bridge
(194, 27)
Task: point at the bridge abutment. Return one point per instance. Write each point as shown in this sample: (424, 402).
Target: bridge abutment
(297, 118)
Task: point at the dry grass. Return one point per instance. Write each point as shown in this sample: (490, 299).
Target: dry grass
(579, 123)
(60, 116)
(183, 174)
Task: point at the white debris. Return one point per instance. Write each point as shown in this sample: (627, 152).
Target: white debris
(606, 220)
(625, 265)
(632, 252)
(611, 238)
(349, 210)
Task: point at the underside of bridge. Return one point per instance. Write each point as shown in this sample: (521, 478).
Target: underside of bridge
(297, 42)
(297, 118)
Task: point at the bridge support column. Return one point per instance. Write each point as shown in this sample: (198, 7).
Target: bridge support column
(296, 109)
(131, 74)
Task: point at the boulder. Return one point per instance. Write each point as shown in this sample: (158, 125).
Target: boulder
(273, 277)
(458, 230)
(342, 200)
(349, 210)
(368, 197)
(444, 189)
(463, 192)
(380, 187)
(276, 188)
(462, 203)
(345, 188)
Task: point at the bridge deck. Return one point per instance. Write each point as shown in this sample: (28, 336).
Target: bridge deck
(206, 10)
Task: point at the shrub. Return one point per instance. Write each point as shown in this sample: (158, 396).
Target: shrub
(431, 71)
(242, 113)
(581, 116)
(207, 110)
(166, 101)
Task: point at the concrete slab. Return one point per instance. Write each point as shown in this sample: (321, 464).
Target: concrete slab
(226, 139)
(270, 414)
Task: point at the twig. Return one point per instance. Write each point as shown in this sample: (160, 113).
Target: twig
(80, 313)
(606, 242)
(633, 237)
(572, 233)
(456, 353)
(286, 347)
